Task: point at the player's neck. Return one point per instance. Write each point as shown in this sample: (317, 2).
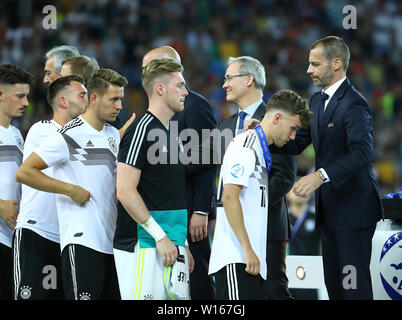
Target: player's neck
(93, 120)
(163, 113)
(61, 118)
(265, 127)
(4, 120)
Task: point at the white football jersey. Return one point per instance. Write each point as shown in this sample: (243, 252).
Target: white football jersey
(83, 156)
(11, 150)
(38, 210)
(243, 164)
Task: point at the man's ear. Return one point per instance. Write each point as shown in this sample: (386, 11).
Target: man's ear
(337, 64)
(62, 102)
(93, 98)
(1, 93)
(159, 89)
(276, 118)
(250, 80)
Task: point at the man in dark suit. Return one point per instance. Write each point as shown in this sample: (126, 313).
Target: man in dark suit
(346, 193)
(244, 82)
(200, 182)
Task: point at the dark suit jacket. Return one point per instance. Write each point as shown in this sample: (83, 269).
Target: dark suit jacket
(343, 145)
(200, 184)
(280, 181)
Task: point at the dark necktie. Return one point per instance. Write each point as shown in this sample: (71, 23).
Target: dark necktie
(242, 115)
(321, 111)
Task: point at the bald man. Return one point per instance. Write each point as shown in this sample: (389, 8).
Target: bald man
(200, 184)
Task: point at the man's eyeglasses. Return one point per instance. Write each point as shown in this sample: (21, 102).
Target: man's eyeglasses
(230, 77)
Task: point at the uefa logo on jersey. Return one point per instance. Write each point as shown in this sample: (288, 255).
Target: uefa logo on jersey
(237, 170)
(391, 266)
(112, 144)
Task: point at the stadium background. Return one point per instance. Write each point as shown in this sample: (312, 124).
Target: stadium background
(278, 33)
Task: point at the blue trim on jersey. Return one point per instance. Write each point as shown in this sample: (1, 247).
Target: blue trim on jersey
(173, 222)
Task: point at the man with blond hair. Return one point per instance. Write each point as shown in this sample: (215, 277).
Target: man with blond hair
(152, 257)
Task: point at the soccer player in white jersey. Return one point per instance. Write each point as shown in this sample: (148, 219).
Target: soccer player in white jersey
(238, 257)
(83, 155)
(37, 262)
(14, 89)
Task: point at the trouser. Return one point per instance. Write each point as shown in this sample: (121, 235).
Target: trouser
(276, 284)
(88, 274)
(234, 283)
(346, 258)
(36, 267)
(6, 273)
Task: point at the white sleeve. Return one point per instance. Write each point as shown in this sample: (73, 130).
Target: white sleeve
(33, 140)
(238, 164)
(53, 150)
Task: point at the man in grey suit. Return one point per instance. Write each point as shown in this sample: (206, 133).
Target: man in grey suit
(244, 83)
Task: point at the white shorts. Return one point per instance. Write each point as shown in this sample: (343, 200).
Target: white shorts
(142, 276)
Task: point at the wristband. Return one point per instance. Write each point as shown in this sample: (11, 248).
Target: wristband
(154, 229)
(202, 213)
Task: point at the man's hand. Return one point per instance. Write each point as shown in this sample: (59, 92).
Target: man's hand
(307, 185)
(167, 250)
(191, 262)
(78, 194)
(8, 212)
(198, 227)
(128, 122)
(251, 124)
(252, 261)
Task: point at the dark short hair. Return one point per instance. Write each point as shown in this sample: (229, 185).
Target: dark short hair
(59, 84)
(291, 103)
(102, 79)
(13, 74)
(334, 47)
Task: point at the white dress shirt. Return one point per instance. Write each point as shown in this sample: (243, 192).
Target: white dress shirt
(330, 91)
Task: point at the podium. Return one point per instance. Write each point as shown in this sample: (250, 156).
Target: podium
(386, 260)
(385, 265)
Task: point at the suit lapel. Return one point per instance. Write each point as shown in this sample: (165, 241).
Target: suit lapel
(332, 105)
(260, 112)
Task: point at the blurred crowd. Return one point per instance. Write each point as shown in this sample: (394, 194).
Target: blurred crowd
(277, 32)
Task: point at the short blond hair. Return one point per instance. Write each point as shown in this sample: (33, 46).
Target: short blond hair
(158, 70)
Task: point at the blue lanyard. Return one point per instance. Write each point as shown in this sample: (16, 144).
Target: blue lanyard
(264, 146)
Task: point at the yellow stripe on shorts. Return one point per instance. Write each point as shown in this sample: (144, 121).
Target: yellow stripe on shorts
(140, 269)
(166, 278)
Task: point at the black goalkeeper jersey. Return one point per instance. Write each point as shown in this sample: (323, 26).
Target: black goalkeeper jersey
(149, 146)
